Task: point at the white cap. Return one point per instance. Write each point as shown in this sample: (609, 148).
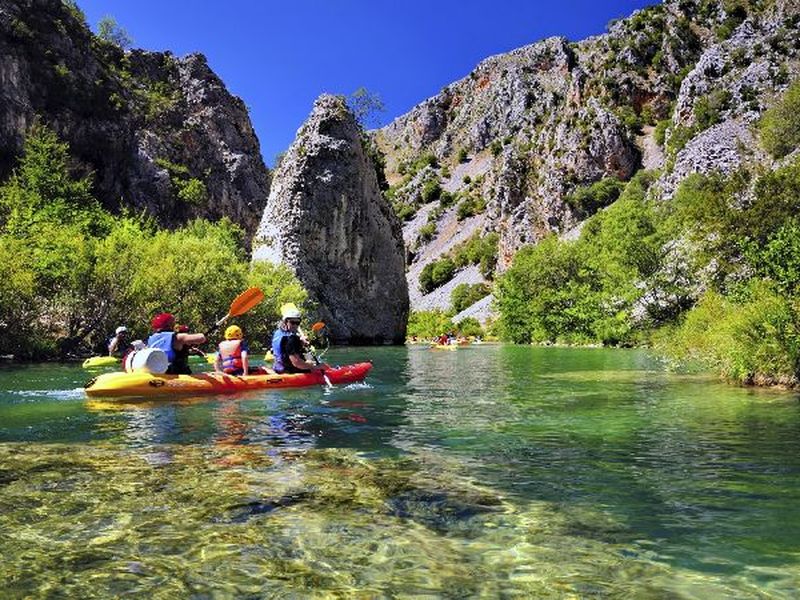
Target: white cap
(120, 329)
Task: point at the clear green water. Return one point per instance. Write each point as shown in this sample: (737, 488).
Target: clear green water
(492, 471)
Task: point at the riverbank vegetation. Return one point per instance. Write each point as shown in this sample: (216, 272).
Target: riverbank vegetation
(710, 277)
(70, 271)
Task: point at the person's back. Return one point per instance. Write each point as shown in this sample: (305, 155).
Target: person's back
(175, 345)
(232, 353)
(118, 343)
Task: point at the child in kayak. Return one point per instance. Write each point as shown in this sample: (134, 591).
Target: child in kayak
(232, 355)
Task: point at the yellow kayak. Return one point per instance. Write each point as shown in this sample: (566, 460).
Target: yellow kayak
(444, 347)
(147, 384)
(96, 362)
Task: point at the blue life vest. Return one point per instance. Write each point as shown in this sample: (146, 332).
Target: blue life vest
(278, 364)
(163, 341)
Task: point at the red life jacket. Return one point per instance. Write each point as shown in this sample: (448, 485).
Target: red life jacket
(231, 353)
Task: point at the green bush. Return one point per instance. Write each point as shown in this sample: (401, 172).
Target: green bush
(426, 232)
(469, 327)
(465, 295)
(427, 324)
(436, 274)
(587, 200)
(708, 109)
(780, 125)
(753, 340)
(478, 250)
(431, 191)
(550, 293)
(469, 207)
(71, 272)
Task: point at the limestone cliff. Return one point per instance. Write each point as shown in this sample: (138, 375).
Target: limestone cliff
(160, 133)
(328, 221)
(512, 148)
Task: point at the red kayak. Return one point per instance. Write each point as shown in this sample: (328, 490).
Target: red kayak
(147, 384)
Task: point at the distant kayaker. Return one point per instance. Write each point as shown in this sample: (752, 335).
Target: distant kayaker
(288, 347)
(175, 345)
(119, 342)
(232, 354)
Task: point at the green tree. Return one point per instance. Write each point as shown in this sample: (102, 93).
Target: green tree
(367, 106)
(109, 30)
(780, 125)
(428, 324)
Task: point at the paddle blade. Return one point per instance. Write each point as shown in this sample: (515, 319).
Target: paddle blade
(318, 326)
(245, 301)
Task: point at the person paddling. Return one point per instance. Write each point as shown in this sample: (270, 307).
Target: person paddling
(288, 348)
(174, 344)
(119, 343)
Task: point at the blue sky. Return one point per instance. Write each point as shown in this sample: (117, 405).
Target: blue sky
(280, 56)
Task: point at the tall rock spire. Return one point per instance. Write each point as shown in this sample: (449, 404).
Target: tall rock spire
(328, 221)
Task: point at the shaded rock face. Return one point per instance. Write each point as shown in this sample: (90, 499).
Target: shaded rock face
(328, 221)
(144, 123)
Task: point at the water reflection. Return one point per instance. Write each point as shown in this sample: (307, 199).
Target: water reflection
(485, 472)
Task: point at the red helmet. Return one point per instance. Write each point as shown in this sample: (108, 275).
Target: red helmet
(163, 321)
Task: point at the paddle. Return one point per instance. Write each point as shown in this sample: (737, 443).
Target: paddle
(316, 328)
(243, 303)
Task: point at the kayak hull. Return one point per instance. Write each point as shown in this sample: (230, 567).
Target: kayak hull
(111, 385)
(444, 347)
(95, 362)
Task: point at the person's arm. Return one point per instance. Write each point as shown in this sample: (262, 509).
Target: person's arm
(305, 365)
(245, 364)
(218, 363)
(188, 339)
(112, 345)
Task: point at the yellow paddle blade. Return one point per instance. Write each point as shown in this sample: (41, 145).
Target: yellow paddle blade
(318, 326)
(245, 301)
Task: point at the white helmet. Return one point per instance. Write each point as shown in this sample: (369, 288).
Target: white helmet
(290, 311)
(120, 329)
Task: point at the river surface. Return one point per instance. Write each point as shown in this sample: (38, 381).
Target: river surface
(491, 471)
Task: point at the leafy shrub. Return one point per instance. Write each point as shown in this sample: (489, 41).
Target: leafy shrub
(70, 272)
(404, 212)
(780, 125)
(427, 324)
(426, 232)
(431, 190)
(550, 293)
(469, 207)
(708, 109)
(465, 295)
(469, 327)
(587, 200)
(436, 274)
(660, 132)
(755, 339)
(478, 250)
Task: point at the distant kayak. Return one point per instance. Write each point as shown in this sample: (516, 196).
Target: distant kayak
(98, 362)
(444, 347)
(121, 384)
